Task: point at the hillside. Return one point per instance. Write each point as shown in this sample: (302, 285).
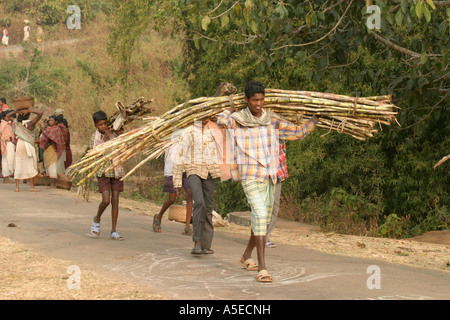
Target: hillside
(78, 75)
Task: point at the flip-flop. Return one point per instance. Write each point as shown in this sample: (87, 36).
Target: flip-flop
(270, 244)
(249, 264)
(95, 228)
(263, 276)
(207, 251)
(196, 250)
(116, 236)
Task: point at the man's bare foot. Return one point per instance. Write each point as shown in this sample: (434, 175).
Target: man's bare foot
(17, 190)
(34, 190)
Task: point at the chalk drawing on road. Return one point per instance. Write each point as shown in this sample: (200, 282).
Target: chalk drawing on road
(204, 276)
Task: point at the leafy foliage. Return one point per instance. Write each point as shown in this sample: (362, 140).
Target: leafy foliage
(328, 46)
(31, 78)
(55, 11)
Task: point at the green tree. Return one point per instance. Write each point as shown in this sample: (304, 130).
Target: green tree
(131, 19)
(333, 47)
(328, 46)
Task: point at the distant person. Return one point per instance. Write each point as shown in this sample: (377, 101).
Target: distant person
(26, 31)
(60, 112)
(39, 31)
(169, 188)
(4, 106)
(109, 183)
(8, 147)
(41, 165)
(5, 35)
(62, 122)
(25, 165)
(53, 144)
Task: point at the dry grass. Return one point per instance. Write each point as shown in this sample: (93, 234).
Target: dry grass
(29, 275)
(84, 91)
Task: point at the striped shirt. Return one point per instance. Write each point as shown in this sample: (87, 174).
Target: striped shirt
(256, 149)
(197, 154)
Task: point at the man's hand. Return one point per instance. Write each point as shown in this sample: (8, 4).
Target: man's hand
(179, 192)
(108, 133)
(231, 109)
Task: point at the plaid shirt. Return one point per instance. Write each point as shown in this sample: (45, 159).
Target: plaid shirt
(256, 149)
(196, 154)
(101, 171)
(282, 172)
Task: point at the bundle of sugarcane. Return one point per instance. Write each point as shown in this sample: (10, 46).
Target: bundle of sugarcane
(125, 114)
(357, 117)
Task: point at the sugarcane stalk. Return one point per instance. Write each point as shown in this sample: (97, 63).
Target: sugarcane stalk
(354, 116)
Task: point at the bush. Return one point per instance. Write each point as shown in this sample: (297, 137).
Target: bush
(393, 227)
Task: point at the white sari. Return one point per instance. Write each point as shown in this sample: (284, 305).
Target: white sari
(26, 159)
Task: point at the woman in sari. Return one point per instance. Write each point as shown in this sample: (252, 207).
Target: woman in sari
(52, 142)
(25, 161)
(5, 35)
(8, 147)
(62, 123)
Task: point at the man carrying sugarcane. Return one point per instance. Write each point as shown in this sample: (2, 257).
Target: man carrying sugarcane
(256, 133)
(198, 156)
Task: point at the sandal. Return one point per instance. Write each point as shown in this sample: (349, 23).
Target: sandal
(156, 225)
(207, 251)
(116, 236)
(249, 264)
(95, 228)
(270, 244)
(197, 250)
(263, 276)
(187, 232)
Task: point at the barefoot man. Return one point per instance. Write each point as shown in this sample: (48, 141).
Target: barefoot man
(26, 159)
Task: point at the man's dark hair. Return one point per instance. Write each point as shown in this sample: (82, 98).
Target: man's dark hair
(22, 117)
(252, 88)
(98, 116)
(3, 100)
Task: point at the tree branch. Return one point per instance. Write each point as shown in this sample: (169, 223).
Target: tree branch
(442, 3)
(392, 45)
(320, 39)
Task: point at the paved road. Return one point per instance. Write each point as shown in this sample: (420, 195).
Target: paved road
(51, 222)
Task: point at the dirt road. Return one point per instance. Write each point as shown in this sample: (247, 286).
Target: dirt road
(47, 253)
